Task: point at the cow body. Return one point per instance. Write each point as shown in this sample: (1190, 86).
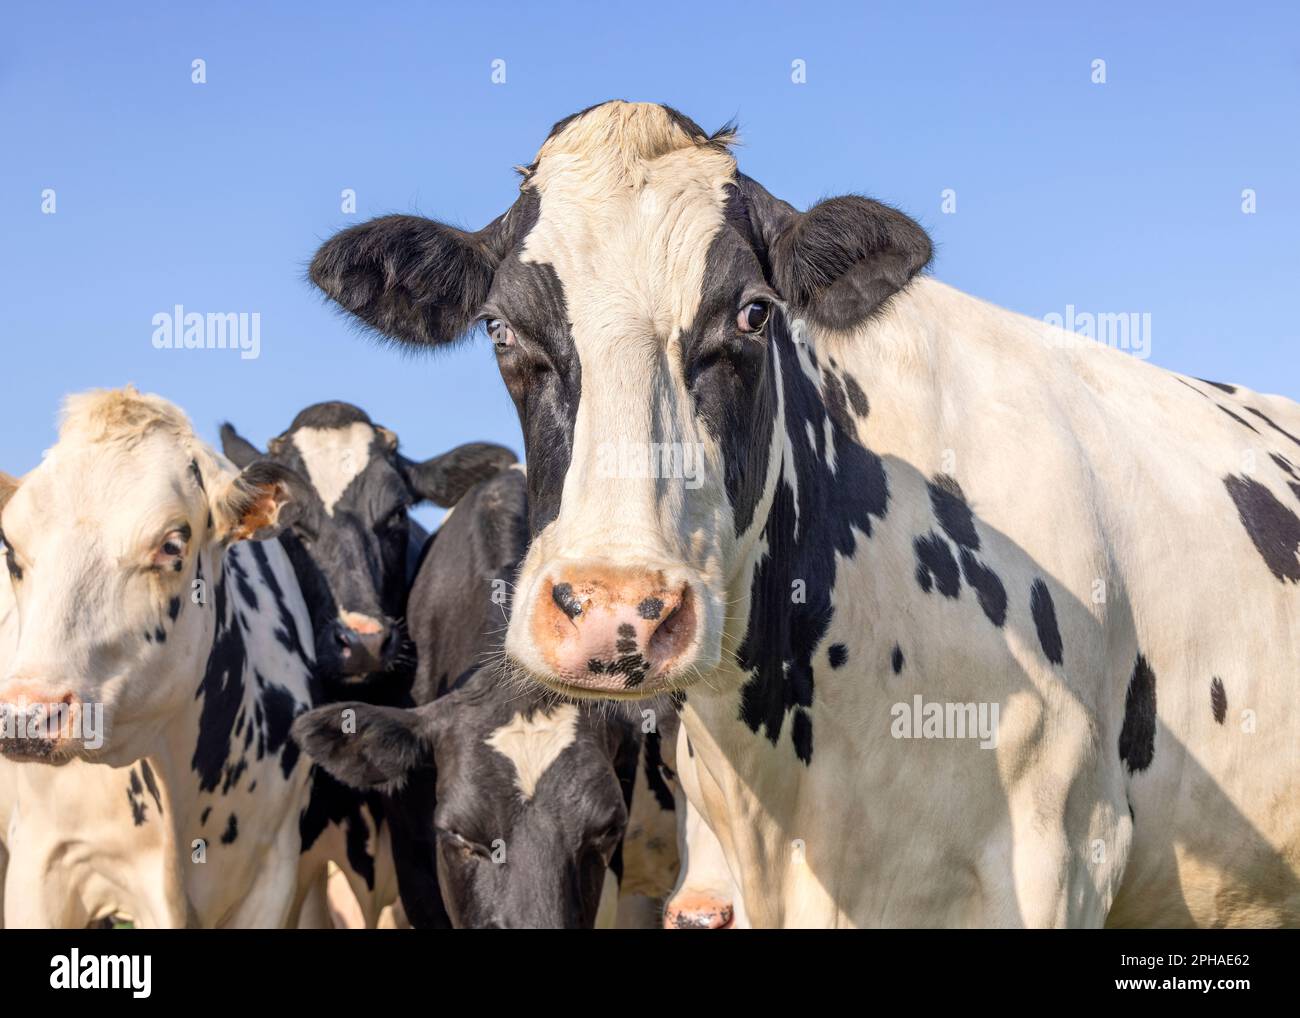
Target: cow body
(204, 830)
(137, 588)
(940, 587)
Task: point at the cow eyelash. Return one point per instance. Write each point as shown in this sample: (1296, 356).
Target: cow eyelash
(11, 560)
(463, 842)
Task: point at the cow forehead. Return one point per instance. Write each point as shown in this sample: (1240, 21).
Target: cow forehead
(533, 742)
(334, 457)
(121, 493)
(629, 239)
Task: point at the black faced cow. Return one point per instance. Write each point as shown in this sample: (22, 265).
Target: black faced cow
(507, 806)
(353, 544)
(922, 568)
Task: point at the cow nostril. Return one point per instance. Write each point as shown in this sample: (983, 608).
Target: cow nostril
(563, 596)
(677, 629)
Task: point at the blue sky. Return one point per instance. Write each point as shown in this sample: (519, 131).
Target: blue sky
(1116, 197)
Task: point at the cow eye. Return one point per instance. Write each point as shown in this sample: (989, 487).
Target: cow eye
(467, 848)
(753, 316)
(502, 336)
(170, 554)
(15, 571)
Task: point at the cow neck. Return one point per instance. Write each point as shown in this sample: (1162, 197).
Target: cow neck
(829, 491)
(210, 712)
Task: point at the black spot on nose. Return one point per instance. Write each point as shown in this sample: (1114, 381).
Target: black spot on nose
(627, 639)
(838, 654)
(562, 595)
(651, 608)
(1218, 699)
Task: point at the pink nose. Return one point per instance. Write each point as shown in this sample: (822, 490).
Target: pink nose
(610, 629)
(35, 721)
(690, 911)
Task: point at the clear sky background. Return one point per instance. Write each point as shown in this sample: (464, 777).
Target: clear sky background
(1119, 197)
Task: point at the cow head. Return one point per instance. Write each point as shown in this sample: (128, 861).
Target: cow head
(648, 305)
(510, 811)
(113, 544)
(349, 541)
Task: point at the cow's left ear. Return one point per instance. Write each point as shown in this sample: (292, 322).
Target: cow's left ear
(366, 746)
(259, 503)
(239, 450)
(444, 479)
(841, 260)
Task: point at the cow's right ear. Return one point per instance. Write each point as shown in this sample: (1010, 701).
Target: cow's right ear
(8, 488)
(239, 450)
(365, 746)
(444, 479)
(410, 278)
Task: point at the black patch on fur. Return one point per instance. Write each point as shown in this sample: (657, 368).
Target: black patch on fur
(952, 512)
(1222, 386)
(730, 375)
(1137, 739)
(655, 769)
(1240, 420)
(173, 608)
(935, 565)
(135, 796)
(837, 655)
(836, 510)
(896, 659)
(1218, 699)
(203, 817)
(1043, 609)
(332, 802)
(151, 783)
(857, 398)
(231, 832)
(1273, 527)
(801, 733)
(1276, 427)
(990, 592)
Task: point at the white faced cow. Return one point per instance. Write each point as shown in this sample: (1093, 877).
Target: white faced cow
(893, 518)
(144, 588)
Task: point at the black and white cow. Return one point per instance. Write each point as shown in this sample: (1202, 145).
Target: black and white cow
(163, 649)
(848, 513)
(352, 543)
(507, 807)
(354, 550)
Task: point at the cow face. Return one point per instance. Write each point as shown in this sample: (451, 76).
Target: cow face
(349, 541)
(113, 545)
(509, 813)
(647, 303)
